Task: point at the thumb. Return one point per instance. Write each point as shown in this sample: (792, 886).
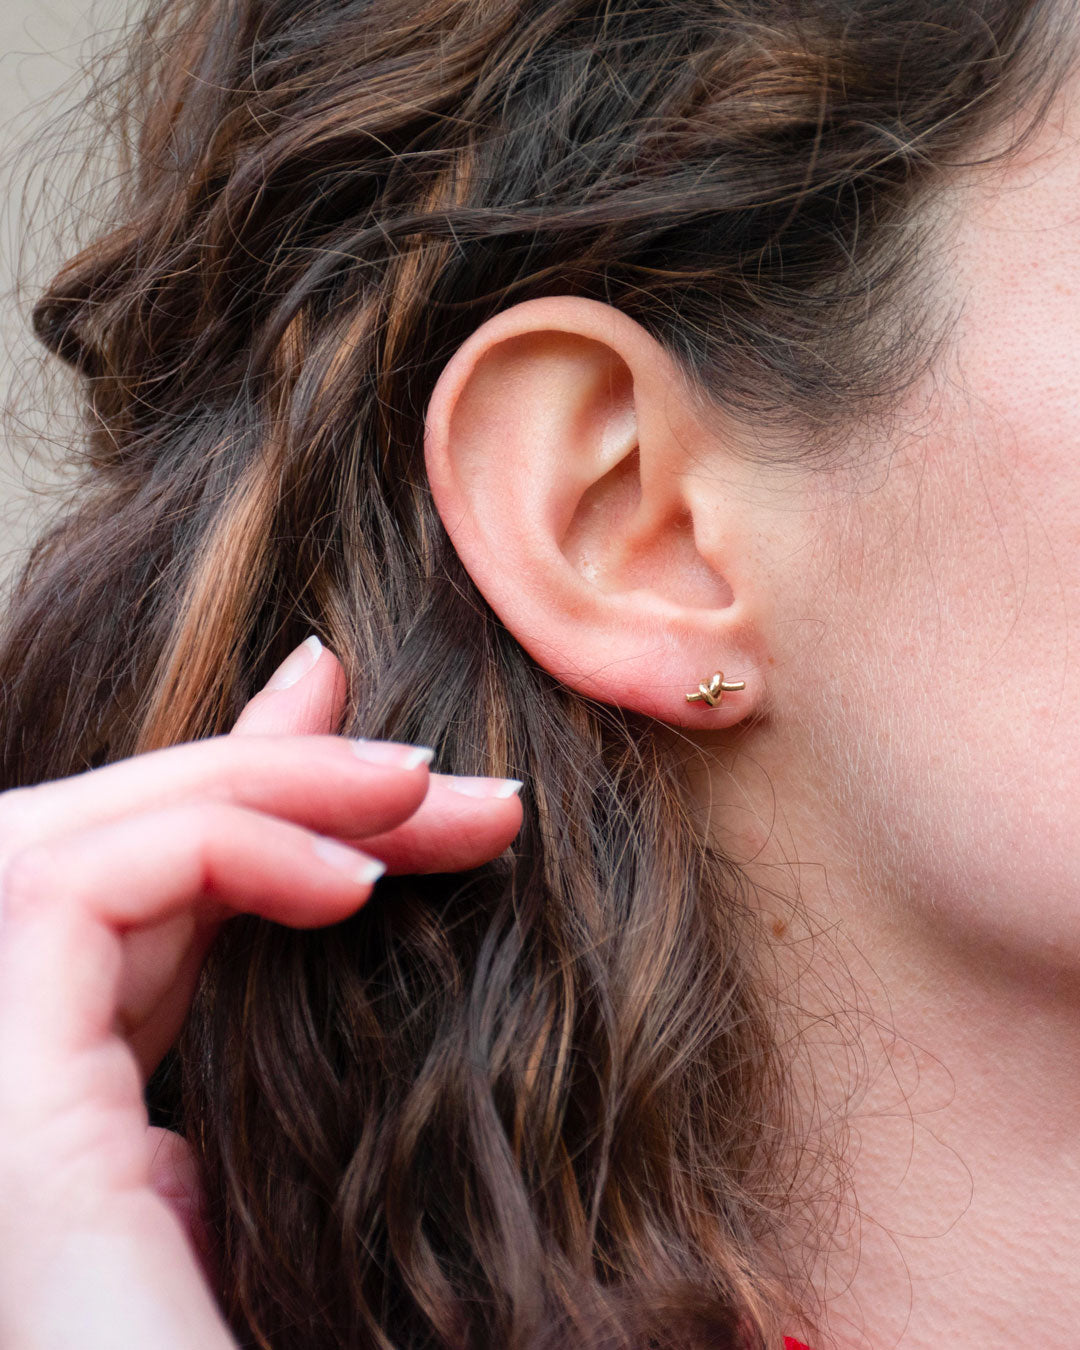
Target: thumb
(305, 696)
(174, 1179)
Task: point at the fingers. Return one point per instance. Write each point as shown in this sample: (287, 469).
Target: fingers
(350, 789)
(112, 885)
(159, 974)
(461, 823)
(304, 697)
(111, 874)
(326, 783)
(175, 1179)
(66, 906)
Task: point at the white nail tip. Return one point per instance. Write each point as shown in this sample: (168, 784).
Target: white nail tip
(293, 669)
(370, 871)
(362, 870)
(484, 787)
(391, 755)
(422, 754)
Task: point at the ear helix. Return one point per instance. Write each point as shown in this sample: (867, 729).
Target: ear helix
(713, 691)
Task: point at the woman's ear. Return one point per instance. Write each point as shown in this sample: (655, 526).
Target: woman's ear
(572, 473)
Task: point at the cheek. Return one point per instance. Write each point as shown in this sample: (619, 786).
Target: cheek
(952, 598)
(955, 729)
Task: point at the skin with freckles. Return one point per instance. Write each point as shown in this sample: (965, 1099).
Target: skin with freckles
(901, 776)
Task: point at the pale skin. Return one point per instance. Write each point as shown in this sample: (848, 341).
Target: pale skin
(900, 776)
(113, 886)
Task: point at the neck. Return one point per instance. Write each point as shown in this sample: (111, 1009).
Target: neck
(949, 1074)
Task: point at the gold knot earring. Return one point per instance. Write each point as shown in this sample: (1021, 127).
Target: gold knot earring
(713, 692)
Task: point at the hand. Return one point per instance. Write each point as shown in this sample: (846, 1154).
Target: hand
(113, 886)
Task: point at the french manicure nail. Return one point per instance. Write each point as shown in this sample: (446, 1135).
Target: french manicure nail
(393, 753)
(483, 787)
(361, 869)
(296, 665)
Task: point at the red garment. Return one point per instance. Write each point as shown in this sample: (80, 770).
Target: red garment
(790, 1344)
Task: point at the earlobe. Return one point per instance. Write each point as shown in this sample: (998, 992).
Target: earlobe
(559, 445)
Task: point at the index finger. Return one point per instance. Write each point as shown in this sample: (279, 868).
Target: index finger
(305, 696)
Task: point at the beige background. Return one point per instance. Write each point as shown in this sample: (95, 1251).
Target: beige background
(44, 49)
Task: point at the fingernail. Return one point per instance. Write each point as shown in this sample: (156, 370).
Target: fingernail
(356, 866)
(483, 787)
(296, 665)
(393, 753)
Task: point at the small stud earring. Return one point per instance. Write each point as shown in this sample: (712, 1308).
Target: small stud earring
(713, 692)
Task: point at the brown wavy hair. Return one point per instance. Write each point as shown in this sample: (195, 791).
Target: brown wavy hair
(540, 1104)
